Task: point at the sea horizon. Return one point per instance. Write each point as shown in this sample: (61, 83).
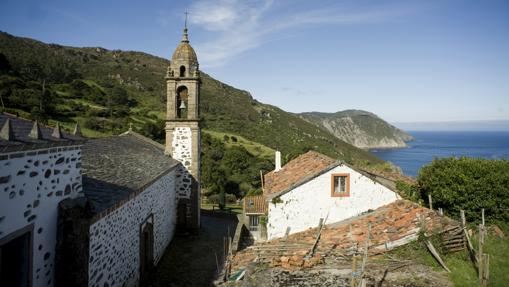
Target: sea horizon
(428, 145)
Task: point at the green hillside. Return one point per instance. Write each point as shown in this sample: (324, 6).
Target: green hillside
(252, 147)
(105, 90)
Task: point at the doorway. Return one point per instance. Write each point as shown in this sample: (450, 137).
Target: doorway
(16, 258)
(147, 246)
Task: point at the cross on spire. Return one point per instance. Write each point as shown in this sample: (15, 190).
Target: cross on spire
(185, 22)
(185, 38)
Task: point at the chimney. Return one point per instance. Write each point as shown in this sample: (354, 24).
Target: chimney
(278, 161)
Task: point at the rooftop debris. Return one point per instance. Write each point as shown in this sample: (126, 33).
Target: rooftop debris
(392, 225)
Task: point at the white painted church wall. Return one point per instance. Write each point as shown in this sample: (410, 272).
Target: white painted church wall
(31, 186)
(182, 151)
(115, 239)
(303, 207)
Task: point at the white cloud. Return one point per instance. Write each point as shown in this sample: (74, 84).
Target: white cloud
(242, 25)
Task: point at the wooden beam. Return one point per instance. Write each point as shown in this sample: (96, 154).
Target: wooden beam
(435, 254)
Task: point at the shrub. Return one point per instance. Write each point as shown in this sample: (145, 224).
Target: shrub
(408, 191)
(469, 184)
(229, 198)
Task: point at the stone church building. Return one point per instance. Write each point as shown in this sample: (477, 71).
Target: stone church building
(99, 212)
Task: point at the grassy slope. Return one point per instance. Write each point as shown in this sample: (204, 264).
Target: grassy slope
(463, 273)
(224, 108)
(254, 148)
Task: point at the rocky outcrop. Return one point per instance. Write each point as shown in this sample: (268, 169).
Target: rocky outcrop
(359, 128)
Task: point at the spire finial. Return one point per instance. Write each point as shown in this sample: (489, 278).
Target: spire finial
(57, 133)
(77, 130)
(6, 133)
(185, 22)
(185, 37)
(35, 133)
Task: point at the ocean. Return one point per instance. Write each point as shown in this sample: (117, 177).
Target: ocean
(429, 145)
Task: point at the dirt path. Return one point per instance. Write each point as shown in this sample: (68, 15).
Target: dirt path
(190, 259)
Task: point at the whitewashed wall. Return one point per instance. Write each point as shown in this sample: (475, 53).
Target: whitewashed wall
(303, 207)
(115, 238)
(182, 151)
(31, 186)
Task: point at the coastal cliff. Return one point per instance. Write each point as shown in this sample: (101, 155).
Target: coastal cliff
(359, 128)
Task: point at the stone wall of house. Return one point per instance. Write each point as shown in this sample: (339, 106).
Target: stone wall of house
(182, 151)
(32, 184)
(303, 207)
(115, 238)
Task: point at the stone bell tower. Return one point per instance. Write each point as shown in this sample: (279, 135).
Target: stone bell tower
(183, 130)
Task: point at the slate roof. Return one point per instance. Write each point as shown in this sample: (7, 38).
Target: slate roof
(296, 172)
(116, 166)
(21, 140)
(255, 204)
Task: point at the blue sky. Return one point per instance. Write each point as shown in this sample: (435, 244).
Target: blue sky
(406, 61)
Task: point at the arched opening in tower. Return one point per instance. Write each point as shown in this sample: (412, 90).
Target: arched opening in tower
(182, 71)
(182, 102)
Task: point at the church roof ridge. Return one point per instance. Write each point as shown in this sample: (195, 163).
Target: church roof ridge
(143, 138)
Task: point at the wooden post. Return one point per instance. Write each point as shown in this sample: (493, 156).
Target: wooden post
(480, 256)
(430, 202)
(486, 274)
(353, 282)
(469, 241)
(435, 254)
(482, 215)
(261, 179)
(365, 259)
(287, 232)
(217, 263)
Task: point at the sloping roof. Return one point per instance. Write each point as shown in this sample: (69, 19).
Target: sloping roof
(306, 167)
(20, 130)
(392, 225)
(255, 204)
(114, 167)
(297, 171)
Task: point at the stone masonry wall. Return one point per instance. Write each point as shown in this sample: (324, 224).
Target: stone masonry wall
(115, 239)
(182, 151)
(31, 186)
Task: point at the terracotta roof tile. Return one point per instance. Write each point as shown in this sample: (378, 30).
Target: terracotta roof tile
(391, 225)
(255, 204)
(297, 171)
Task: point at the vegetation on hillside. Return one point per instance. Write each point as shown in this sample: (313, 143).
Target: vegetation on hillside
(468, 184)
(82, 82)
(106, 91)
(233, 170)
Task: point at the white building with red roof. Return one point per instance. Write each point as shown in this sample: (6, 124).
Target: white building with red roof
(314, 188)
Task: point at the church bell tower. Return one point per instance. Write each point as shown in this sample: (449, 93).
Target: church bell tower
(183, 130)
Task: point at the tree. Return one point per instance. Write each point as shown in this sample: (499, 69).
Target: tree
(468, 184)
(5, 66)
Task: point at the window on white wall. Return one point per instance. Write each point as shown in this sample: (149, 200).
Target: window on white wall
(340, 184)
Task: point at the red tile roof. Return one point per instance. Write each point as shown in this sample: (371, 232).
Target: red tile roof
(296, 172)
(255, 204)
(392, 225)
